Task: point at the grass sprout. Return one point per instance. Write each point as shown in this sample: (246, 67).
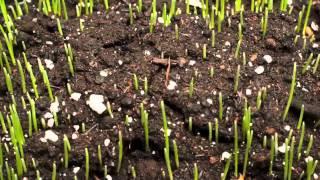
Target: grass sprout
(236, 80)
(191, 87)
(220, 106)
(307, 152)
(316, 65)
(306, 20)
(176, 153)
(195, 172)
(22, 77)
(120, 149)
(301, 140)
(307, 63)
(87, 167)
(67, 149)
(236, 149)
(311, 166)
(293, 85)
(300, 117)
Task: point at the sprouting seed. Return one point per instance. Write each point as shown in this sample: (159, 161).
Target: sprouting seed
(135, 82)
(236, 80)
(99, 155)
(301, 140)
(109, 108)
(236, 149)
(309, 145)
(133, 172)
(120, 149)
(145, 85)
(176, 153)
(204, 51)
(131, 14)
(213, 38)
(191, 87)
(293, 84)
(195, 172)
(300, 117)
(87, 167)
(316, 65)
(59, 27)
(54, 171)
(67, 148)
(248, 147)
(190, 124)
(307, 63)
(210, 131)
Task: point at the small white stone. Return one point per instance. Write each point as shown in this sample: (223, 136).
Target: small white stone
(259, 70)
(314, 26)
(225, 155)
(160, 20)
(172, 85)
(48, 115)
(315, 176)
(49, 64)
(192, 62)
(74, 136)
(49, 43)
(50, 123)
(315, 45)
(106, 142)
(147, 53)
(267, 58)
(76, 127)
(287, 128)
(75, 96)
(309, 158)
(104, 73)
(34, 20)
(54, 107)
(248, 92)
(250, 64)
(209, 101)
(120, 62)
(95, 102)
(51, 136)
(76, 170)
(108, 177)
(227, 43)
(195, 3)
(282, 148)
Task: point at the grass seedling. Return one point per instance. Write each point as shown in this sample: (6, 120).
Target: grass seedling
(8, 81)
(316, 65)
(54, 171)
(145, 85)
(22, 77)
(220, 106)
(236, 80)
(204, 51)
(306, 20)
(67, 149)
(139, 7)
(307, 64)
(248, 148)
(31, 75)
(195, 172)
(130, 14)
(166, 137)
(176, 153)
(211, 71)
(106, 4)
(236, 149)
(298, 27)
(109, 109)
(286, 159)
(259, 100)
(283, 5)
(311, 166)
(25, 6)
(212, 18)
(191, 87)
(300, 117)
(99, 155)
(293, 85)
(264, 23)
(133, 172)
(45, 79)
(190, 124)
(301, 140)
(188, 6)
(172, 9)
(307, 152)
(135, 82)
(87, 168)
(216, 130)
(59, 27)
(276, 144)
(3, 124)
(145, 121)
(246, 121)
(167, 159)
(210, 131)
(226, 168)
(236, 54)
(213, 38)
(291, 158)
(120, 149)
(176, 29)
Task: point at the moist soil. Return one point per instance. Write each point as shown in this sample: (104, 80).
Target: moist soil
(110, 43)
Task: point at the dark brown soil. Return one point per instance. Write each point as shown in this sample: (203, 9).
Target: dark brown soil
(110, 43)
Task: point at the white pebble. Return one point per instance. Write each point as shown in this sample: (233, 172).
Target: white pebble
(192, 62)
(209, 101)
(287, 128)
(259, 70)
(314, 26)
(106, 142)
(104, 73)
(51, 136)
(225, 155)
(95, 102)
(267, 58)
(49, 64)
(50, 123)
(76, 170)
(54, 107)
(248, 92)
(172, 85)
(75, 96)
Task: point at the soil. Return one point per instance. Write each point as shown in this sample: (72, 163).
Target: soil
(110, 43)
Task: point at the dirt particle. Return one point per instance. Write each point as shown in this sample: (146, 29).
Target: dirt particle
(270, 131)
(213, 160)
(271, 43)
